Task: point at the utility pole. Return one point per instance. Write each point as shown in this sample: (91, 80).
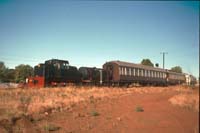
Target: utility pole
(163, 53)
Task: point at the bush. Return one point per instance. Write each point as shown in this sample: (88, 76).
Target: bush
(139, 109)
(51, 127)
(94, 113)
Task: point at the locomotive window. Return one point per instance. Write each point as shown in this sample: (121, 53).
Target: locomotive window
(58, 65)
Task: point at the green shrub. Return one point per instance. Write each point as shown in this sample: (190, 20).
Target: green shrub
(51, 127)
(139, 109)
(94, 113)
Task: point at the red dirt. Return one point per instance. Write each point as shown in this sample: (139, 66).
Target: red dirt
(119, 116)
(116, 114)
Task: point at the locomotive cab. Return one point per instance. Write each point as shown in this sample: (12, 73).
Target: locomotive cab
(60, 72)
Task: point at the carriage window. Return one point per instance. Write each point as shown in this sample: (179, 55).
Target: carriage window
(139, 72)
(136, 72)
(133, 71)
(142, 72)
(130, 71)
(125, 71)
(119, 70)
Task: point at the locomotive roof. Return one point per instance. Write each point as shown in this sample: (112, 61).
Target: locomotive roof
(128, 64)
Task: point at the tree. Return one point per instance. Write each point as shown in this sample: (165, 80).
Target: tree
(22, 72)
(9, 75)
(157, 65)
(147, 62)
(177, 69)
(2, 71)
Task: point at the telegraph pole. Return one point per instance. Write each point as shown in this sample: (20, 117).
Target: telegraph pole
(163, 53)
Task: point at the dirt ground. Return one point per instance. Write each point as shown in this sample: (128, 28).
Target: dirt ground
(173, 109)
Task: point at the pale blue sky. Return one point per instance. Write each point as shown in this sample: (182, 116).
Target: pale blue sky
(89, 33)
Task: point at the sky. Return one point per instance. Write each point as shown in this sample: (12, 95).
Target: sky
(90, 33)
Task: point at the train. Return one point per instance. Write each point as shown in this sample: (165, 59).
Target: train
(56, 72)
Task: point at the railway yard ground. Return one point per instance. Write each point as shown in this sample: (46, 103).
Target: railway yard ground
(172, 109)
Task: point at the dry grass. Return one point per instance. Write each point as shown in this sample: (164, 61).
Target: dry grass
(187, 98)
(52, 99)
(30, 101)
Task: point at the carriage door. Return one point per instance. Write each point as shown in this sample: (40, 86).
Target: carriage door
(110, 72)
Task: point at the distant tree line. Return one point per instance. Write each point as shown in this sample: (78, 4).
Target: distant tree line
(19, 74)
(148, 62)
